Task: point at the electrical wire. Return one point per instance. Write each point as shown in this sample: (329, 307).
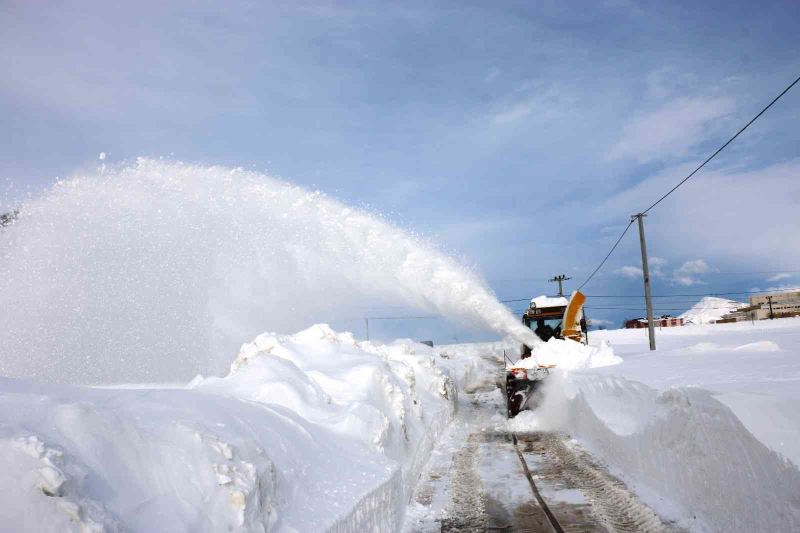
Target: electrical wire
(691, 295)
(607, 255)
(721, 148)
(695, 171)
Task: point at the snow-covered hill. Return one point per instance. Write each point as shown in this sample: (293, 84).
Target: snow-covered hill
(709, 310)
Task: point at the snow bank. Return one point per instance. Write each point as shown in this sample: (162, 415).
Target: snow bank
(682, 450)
(705, 429)
(475, 365)
(709, 310)
(309, 432)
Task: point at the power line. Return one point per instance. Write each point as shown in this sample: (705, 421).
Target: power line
(695, 171)
(721, 148)
(688, 295)
(742, 273)
(607, 255)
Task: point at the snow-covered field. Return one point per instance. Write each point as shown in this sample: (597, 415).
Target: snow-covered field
(706, 428)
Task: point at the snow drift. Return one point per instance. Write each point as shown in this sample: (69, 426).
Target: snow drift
(683, 451)
(158, 270)
(309, 432)
(705, 429)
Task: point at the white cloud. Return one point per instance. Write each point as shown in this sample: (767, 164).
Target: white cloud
(686, 274)
(723, 214)
(631, 272)
(667, 81)
(671, 130)
(516, 112)
(533, 101)
(775, 288)
(600, 322)
(492, 75)
(686, 281)
(655, 265)
(778, 277)
(695, 266)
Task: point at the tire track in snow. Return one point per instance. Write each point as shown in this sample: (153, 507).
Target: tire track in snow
(615, 507)
(467, 512)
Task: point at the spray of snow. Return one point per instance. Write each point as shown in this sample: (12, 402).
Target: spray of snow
(158, 270)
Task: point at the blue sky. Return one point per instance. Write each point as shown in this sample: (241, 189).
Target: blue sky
(519, 135)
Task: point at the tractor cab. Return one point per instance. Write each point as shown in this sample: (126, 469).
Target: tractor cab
(555, 316)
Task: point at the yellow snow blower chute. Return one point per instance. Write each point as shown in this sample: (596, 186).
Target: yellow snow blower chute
(574, 323)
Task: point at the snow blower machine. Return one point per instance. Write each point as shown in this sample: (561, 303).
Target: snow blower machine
(548, 317)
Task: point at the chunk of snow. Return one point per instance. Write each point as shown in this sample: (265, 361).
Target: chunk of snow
(548, 301)
(565, 354)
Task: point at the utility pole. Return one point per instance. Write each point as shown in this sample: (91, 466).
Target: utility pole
(560, 279)
(771, 314)
(646, 274)
(366, 322)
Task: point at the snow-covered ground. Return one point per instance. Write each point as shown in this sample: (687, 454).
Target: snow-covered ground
(319, 432)
(706, 428)
(310, 432)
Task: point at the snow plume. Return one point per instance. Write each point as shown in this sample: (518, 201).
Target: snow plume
(159, 270)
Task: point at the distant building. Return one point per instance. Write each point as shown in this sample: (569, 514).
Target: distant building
(743, 313)
(784, 304)
(665, 321)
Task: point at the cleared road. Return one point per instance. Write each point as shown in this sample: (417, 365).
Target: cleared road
(480, 480)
